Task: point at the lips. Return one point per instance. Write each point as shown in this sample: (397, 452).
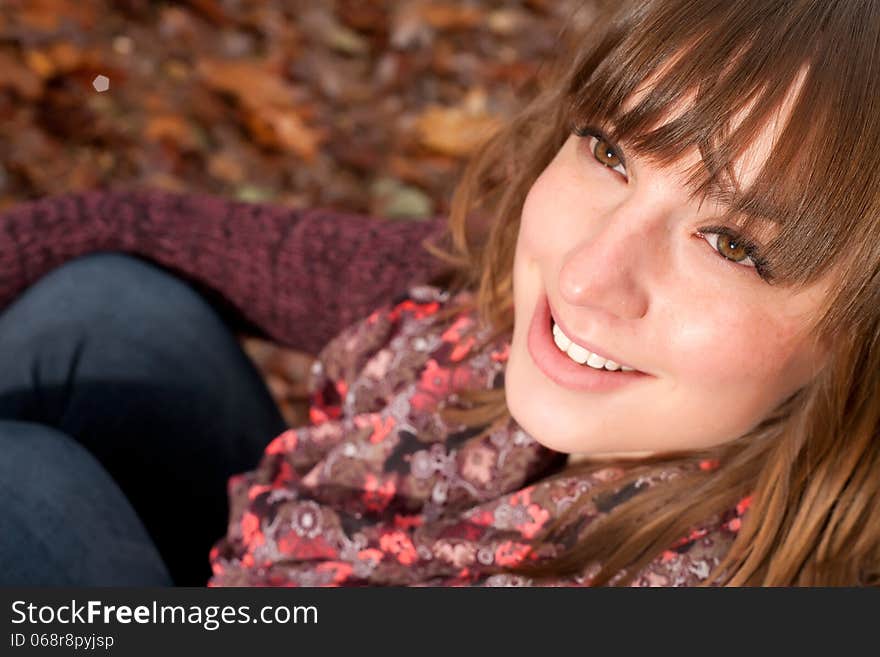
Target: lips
(559, 368)
(586, 345)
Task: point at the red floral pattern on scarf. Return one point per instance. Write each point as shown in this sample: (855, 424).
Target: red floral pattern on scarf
(379, 490)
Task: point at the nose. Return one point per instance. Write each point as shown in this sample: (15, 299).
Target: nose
(608, 270)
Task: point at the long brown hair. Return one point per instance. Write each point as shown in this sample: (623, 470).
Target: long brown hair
(812, 466)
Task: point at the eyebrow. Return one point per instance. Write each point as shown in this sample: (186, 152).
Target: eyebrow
(717, 191)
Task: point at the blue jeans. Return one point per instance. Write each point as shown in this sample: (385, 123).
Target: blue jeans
(125, 404)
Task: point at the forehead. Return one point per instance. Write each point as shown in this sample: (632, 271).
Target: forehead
(753, 155)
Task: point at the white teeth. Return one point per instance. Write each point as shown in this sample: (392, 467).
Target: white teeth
(577, 353)
(560, 338)
(580, 355)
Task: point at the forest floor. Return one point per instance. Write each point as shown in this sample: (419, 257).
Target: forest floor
(369, 106)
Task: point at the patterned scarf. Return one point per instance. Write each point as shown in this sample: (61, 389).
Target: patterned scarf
(378, 490)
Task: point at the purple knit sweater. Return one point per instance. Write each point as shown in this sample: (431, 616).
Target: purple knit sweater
(296, 276)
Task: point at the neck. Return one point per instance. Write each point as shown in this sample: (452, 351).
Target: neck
(579, 457)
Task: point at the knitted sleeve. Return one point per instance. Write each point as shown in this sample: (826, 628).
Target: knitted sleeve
(296, 276)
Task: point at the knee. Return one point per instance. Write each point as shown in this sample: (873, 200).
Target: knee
(109, 294)
(63, 520)
(105, 286)
(32, 452)
(47, 473)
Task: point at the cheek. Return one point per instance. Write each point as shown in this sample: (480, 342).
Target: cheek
(732, 348)
(547, 219)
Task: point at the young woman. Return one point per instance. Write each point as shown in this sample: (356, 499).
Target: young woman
(660, 365)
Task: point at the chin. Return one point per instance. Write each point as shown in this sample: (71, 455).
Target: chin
(538, 417)
(548, 417)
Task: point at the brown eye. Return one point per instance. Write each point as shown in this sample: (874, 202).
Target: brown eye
(605, 154)
(731, 249)
(600, 149)
(736, 249)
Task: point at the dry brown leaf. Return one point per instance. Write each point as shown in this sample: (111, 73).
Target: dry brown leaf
(19, 78)
(457, 131)
(164, 180)
(249, 81)
(156, 103)
(284, 130)
(268, 105)
(363, 16)
(49, 16)
(40, 63)
(423, 171)
(173, 128)
(448, 16)
(59, 58)
(212, 11)
(225, 167)
(453, 131)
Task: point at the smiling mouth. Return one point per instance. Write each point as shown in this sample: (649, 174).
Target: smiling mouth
(583, 356)
(558, 366)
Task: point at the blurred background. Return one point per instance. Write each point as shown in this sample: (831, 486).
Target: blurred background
(364, 105)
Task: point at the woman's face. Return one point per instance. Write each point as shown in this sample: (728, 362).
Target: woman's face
(614, 253)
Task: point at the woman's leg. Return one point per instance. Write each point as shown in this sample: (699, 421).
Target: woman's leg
(140, 369)
(63, 520)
